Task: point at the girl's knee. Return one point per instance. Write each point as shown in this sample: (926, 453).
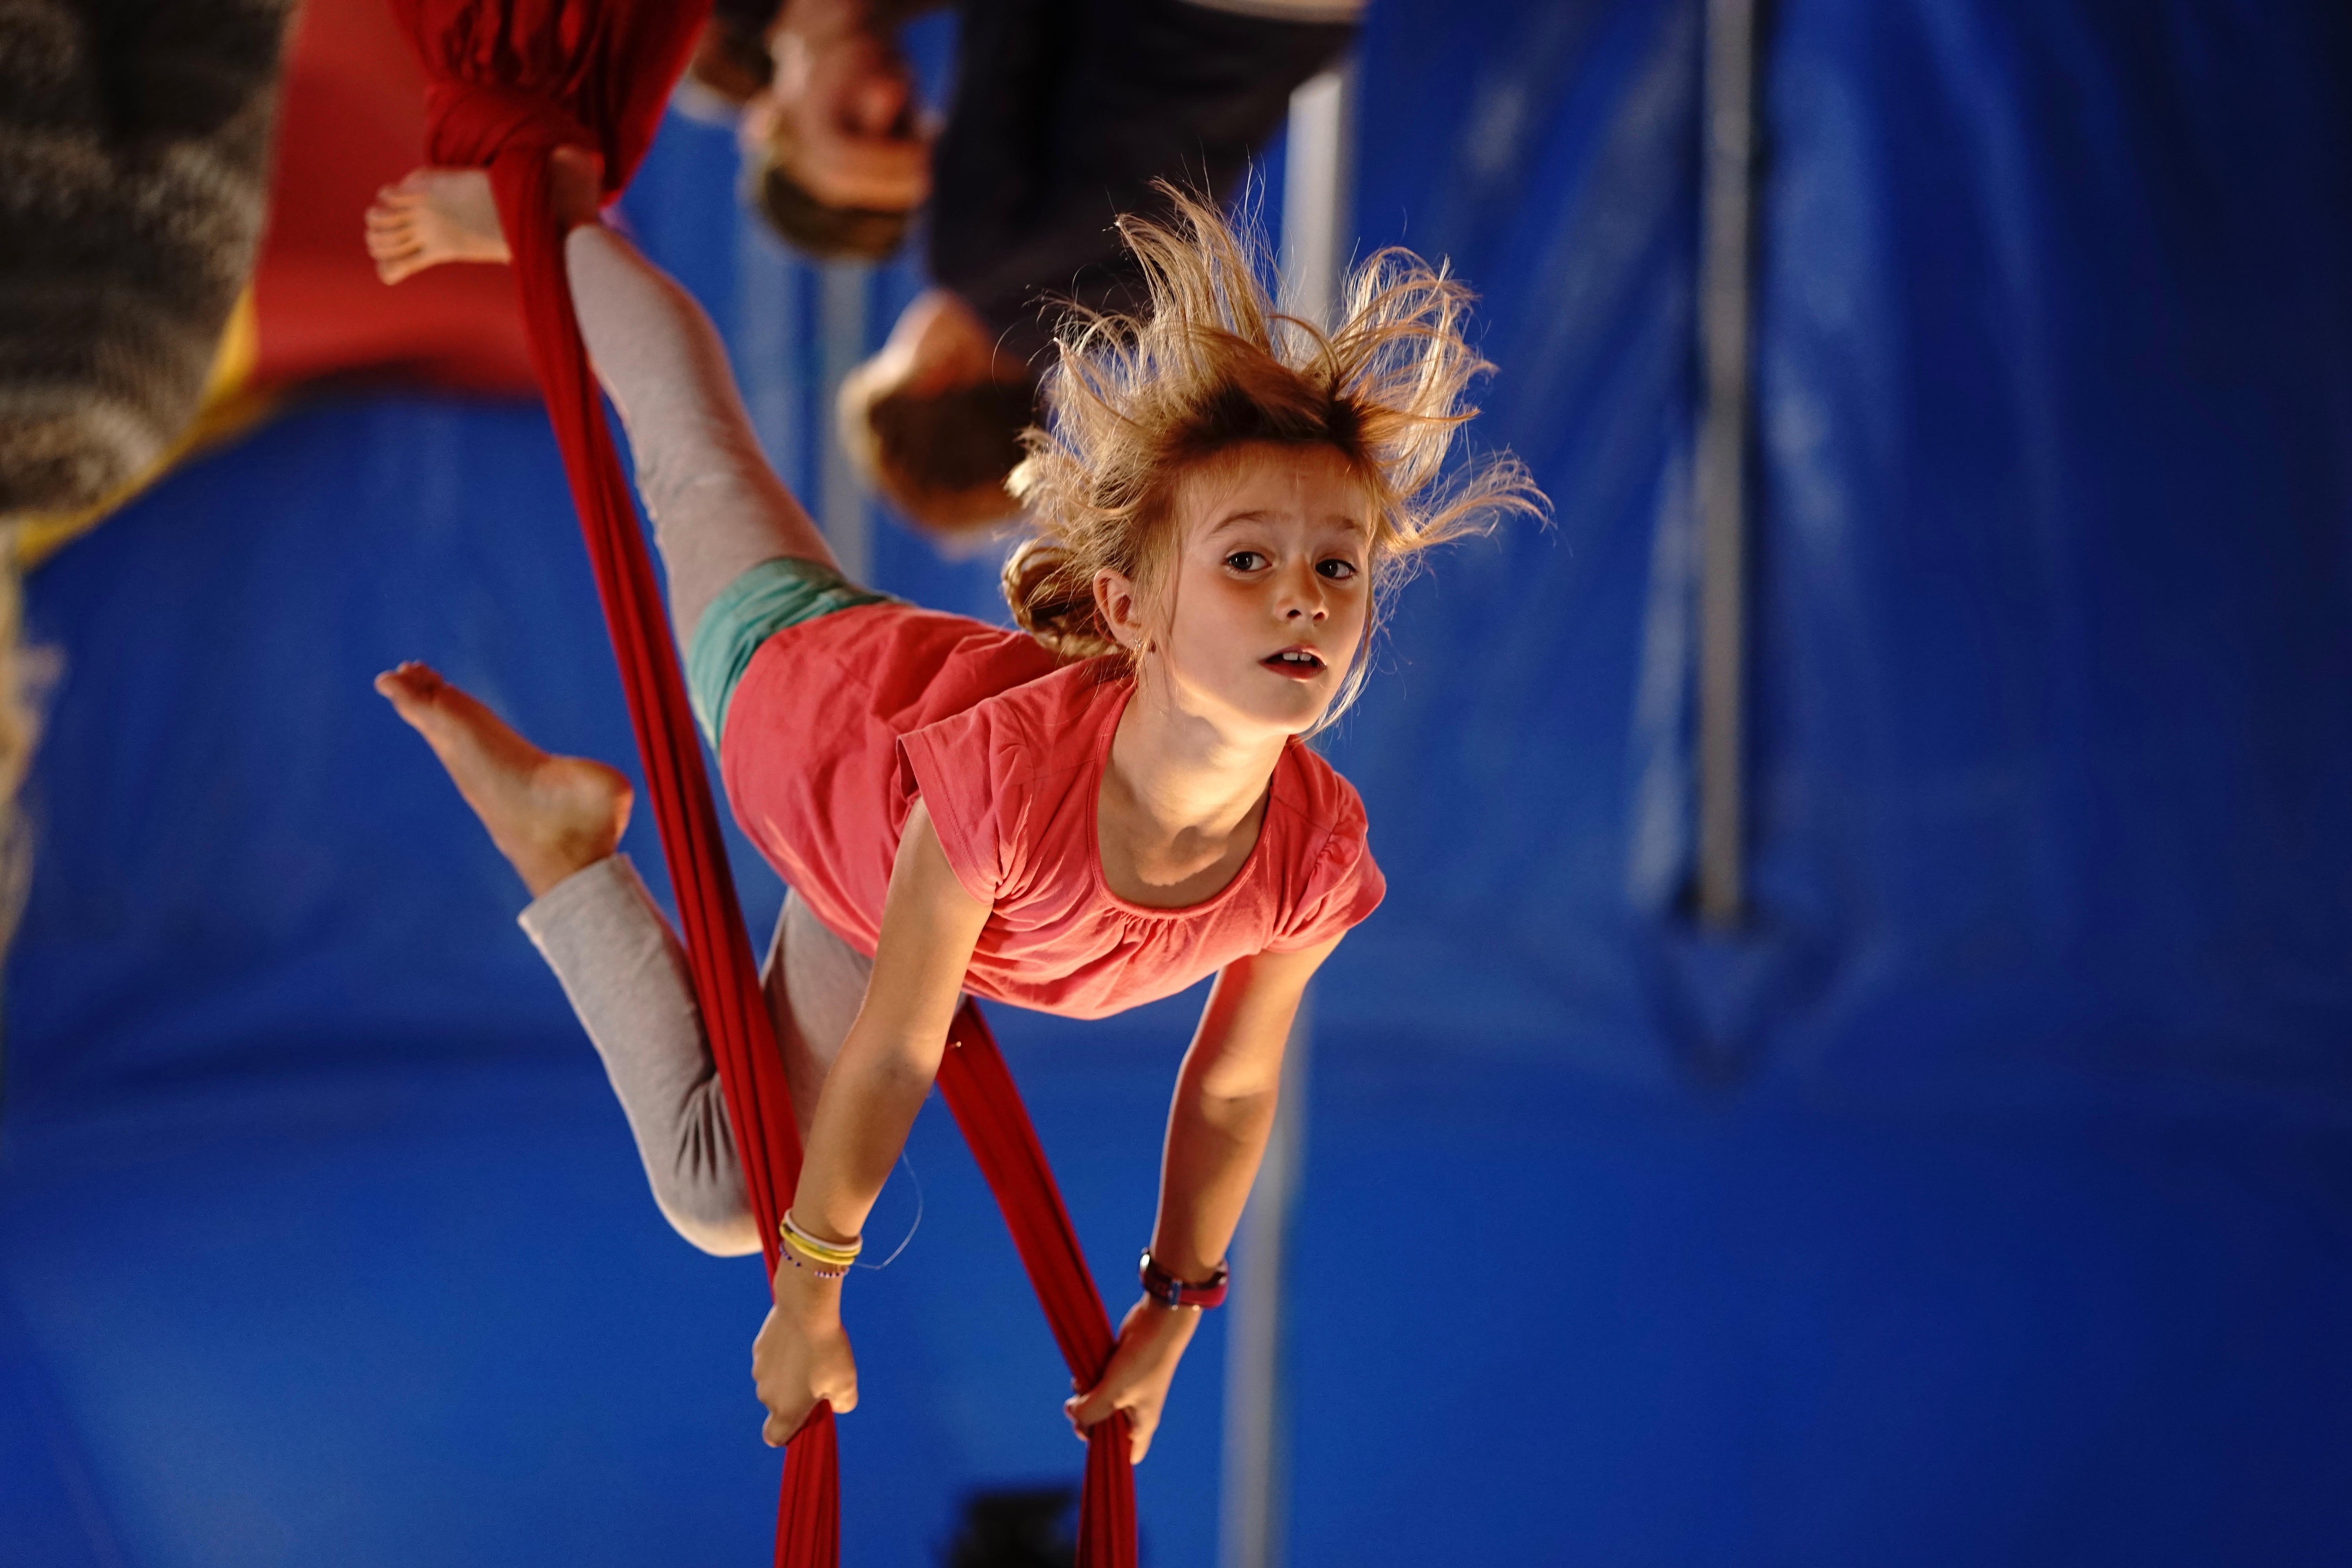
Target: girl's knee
(720, 1225)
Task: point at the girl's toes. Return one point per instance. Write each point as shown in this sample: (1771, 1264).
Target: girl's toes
(401, 264)
(410, 683)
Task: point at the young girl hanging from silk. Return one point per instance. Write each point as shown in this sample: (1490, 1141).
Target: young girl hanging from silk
(1086, 815)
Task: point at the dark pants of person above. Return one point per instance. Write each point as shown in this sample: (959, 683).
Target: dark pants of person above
(1063, 115)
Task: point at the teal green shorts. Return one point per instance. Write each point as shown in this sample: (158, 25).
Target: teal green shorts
(763, 601)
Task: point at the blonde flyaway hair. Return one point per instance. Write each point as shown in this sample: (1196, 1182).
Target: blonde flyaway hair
(1132, 404)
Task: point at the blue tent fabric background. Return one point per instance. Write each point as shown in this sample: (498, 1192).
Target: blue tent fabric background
(1987, 1199)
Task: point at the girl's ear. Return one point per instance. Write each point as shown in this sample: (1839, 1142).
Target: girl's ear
(1120, 610)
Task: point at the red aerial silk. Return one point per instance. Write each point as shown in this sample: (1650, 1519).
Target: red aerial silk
(511, 80)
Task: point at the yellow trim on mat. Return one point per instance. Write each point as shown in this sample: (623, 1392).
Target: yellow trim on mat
(230, 407)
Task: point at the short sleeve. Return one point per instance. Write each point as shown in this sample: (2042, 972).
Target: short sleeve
(1345, 886)
(967, 768)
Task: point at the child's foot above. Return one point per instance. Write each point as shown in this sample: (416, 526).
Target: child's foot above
(434, 216)
(550, 816)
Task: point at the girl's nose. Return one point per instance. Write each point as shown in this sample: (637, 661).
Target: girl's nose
(1303, 598)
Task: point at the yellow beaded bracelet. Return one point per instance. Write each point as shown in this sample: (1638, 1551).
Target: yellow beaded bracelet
(829, 1259)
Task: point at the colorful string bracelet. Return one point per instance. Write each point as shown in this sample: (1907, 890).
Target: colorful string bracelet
(825, 1260)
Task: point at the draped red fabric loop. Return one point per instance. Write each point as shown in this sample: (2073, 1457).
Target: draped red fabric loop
(513, 80)
(471, 125)
(978, 1088)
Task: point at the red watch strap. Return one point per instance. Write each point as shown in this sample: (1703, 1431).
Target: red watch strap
(1169, 1291)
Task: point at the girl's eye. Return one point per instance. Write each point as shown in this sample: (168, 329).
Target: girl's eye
(1245, 561)
(1338, 570)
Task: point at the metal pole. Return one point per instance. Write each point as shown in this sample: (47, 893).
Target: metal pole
(1257, 1481)
(768, 284)
(1727, 310)
(842, 292)
(1315, 244)
(1316, 174)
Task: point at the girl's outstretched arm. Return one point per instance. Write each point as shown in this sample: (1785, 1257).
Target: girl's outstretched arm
(930, 925)
(1217, 1127)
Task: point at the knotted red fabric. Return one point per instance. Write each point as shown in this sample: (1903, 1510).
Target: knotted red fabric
(513, 80)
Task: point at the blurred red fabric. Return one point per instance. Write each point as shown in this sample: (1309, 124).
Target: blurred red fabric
(350, 119)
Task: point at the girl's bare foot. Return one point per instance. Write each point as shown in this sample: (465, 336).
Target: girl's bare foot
(434, 216)
(550, 816)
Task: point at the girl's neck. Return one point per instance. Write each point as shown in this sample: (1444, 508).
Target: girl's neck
(1180, 801)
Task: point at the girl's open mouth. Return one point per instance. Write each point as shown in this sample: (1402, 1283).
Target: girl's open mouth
(1299, 663)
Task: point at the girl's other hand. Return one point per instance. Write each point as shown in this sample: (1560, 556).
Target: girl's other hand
(1151, 1341)
(801, 1356)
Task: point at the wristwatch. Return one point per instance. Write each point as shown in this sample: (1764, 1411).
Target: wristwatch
(1169, 1291)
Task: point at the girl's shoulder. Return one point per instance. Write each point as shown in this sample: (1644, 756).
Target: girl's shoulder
(1313, 790)
(1333, 879)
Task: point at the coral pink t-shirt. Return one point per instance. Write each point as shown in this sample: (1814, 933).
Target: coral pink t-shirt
(841, 722)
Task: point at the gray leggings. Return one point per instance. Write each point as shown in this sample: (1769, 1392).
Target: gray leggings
(717, 509)
(625, 971)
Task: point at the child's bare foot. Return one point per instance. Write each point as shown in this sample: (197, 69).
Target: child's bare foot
(434, 216)
(550, 816)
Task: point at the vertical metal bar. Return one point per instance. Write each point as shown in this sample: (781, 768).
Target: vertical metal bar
(1726, 314)
(1316, 175)
(1256, 1480)
(768, 307)
(1316, 239)
(844, 290)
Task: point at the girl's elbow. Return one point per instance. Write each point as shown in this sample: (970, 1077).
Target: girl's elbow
(892, 1061)
(1235, 1105)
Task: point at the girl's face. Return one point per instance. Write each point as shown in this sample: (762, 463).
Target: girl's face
(1263, 607)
